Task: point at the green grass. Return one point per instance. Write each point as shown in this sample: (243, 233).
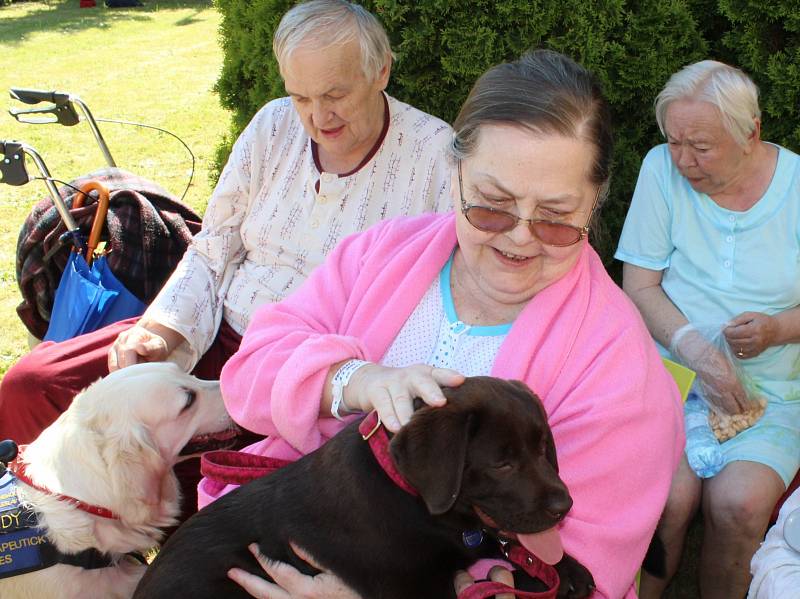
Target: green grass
(156, 64)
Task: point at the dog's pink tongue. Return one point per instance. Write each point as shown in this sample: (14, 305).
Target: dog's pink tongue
(545, 545)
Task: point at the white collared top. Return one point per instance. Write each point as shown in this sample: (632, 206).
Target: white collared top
(274, 216)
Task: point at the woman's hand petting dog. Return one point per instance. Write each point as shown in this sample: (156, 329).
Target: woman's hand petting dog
(143, 342)
(292, 584)
(391, 391)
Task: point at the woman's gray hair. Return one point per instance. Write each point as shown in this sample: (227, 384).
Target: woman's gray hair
(545, 92)
(329, 23)
(726, 87)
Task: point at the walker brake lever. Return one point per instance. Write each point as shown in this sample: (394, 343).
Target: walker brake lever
(61, 108)
(14, 172)
(12, 165)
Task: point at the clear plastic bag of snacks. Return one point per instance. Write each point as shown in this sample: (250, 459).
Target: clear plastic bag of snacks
(734, 401)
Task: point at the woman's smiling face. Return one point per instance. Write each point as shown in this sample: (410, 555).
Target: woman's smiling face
(534, 176)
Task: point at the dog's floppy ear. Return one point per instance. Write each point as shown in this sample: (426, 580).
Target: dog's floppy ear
(135, 468)
(431, 451)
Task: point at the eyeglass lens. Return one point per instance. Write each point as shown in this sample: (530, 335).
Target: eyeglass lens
(499, 221)
(492, 220)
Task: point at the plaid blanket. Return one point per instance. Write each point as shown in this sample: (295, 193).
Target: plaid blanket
(147, 231)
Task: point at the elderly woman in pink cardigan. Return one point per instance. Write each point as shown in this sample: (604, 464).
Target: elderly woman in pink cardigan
(505, 285)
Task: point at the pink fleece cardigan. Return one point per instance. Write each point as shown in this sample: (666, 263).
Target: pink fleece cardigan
(580, 345)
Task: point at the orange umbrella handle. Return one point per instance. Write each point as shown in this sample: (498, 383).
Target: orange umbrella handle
(99, 216)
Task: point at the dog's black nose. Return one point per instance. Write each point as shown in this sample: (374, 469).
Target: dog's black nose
(8, 451)
(557, 506)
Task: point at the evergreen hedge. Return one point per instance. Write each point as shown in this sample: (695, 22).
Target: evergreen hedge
(633, 46)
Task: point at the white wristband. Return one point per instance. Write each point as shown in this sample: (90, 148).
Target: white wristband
(339, 382)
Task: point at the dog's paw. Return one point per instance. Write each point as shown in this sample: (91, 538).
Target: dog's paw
(576, 581)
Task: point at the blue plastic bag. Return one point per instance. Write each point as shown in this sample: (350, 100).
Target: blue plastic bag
(88, 299)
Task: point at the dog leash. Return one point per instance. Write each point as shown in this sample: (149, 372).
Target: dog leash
(533, 566)
(232, 467)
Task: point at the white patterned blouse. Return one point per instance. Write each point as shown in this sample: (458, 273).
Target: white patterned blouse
(274, 215)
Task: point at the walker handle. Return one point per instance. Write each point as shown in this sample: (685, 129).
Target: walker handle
(35, 96)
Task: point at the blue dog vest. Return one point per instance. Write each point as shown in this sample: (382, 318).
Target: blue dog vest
(23, 544)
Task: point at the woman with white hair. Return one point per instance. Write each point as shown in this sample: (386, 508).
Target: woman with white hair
(335, 157)
(713, 235)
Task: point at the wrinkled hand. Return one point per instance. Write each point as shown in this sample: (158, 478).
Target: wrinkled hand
(497, 574)
(391, 391)
(751, 333)
(135, 345)
(290, 583)
(716, 374)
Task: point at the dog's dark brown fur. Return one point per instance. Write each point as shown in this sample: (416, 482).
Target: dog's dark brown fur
(489, 447)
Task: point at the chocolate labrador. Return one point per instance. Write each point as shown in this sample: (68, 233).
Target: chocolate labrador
(483, 466)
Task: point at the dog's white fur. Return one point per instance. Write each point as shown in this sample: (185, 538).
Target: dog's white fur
(114, 447)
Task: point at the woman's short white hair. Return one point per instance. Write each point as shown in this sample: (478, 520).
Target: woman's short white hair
(726, 87)
(328, 23)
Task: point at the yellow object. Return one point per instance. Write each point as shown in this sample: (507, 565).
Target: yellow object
(683, 376)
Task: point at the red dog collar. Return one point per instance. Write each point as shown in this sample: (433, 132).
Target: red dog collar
(19, 469)
(373, 432)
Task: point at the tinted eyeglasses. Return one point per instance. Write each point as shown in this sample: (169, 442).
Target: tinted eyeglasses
(492, 220)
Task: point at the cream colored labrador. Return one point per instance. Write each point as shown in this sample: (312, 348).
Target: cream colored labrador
(114, 448)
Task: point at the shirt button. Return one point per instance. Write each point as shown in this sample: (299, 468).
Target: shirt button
(732, 218)
(729, 238)
(322, 199)
(315, 224)
(327, 177)
(727, 263)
